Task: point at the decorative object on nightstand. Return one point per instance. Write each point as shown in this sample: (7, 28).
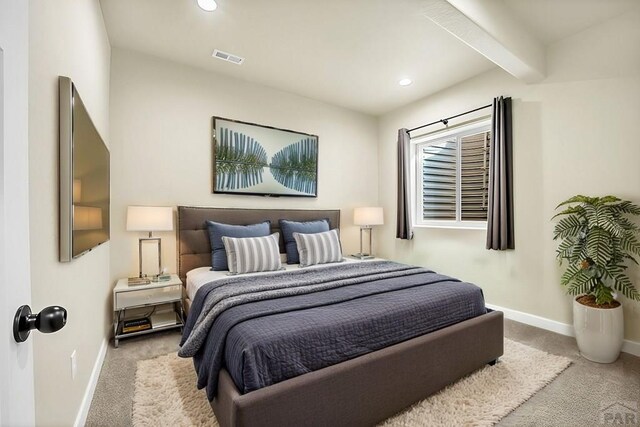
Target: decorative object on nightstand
(137, 281)
(162, 300)
(367, 217)
(149, 218)
(136, 325)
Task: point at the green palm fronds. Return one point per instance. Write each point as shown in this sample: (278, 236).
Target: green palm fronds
(596, 238)
(295, 166)
(240, 161)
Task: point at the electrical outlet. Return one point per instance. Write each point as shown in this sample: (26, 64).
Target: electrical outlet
(74, 365)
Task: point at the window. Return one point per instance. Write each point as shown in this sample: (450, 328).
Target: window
(451, 177)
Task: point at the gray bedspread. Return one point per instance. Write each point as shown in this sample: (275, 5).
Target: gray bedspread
(266, 329)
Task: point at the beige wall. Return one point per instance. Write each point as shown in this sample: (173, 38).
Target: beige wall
(67, 37)
(161, 147)
(576, 132)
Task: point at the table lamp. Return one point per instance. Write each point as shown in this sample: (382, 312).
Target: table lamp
(367, 217)
(149, 218)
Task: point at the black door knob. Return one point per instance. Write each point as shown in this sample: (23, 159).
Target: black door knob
(51, 319)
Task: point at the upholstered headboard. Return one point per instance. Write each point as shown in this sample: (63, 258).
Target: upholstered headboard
(194, 249)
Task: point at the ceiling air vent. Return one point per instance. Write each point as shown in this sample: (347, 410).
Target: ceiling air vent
(227, 57)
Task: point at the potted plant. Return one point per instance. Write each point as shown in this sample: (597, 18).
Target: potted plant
(598, 239)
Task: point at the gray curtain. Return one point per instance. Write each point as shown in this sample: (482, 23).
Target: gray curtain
(403, 224)
(500, 213)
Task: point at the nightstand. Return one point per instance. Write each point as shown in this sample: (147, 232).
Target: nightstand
(162, 299)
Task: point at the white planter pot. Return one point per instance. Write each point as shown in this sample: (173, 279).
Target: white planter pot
(599, 332)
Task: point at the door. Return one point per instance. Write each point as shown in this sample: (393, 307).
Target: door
(16, 360)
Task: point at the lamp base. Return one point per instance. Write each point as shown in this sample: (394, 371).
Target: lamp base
(142, 273)
(362, 256)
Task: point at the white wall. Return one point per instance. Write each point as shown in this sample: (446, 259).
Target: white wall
(161, 151)
(16, 360)
(67, 37)
(576, 132)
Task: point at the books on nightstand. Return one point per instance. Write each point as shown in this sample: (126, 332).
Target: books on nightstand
(134, 281)
(136, 325)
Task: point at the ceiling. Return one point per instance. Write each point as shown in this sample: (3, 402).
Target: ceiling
(350, 53)
(553, 20)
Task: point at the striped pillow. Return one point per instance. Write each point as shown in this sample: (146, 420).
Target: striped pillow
(252, 254)
(318, 248)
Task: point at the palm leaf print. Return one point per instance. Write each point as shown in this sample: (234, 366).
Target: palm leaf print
(240, 161)
(295, 166)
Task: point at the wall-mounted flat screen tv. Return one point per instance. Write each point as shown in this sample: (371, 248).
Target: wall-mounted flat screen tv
(84, 177)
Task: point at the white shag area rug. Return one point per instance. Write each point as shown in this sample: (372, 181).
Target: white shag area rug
(166, 395)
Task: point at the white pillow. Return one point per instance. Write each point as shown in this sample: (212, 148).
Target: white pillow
(252, 254)
(318, 248)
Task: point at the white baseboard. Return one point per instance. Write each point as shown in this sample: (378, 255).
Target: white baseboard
(631, 347)
(81, 418)
(533, 320)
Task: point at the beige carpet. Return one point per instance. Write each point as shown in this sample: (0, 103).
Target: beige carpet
(165, 392)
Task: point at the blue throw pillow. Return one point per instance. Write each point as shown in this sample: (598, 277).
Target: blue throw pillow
(308, 227)
(218, 229)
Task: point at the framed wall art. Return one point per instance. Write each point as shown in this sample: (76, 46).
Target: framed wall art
(261, 160)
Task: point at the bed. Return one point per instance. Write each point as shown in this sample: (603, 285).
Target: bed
(363, 390)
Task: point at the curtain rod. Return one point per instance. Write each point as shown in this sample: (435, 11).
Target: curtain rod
(445, 121)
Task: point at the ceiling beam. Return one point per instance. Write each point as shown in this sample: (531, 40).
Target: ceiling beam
(488, 28)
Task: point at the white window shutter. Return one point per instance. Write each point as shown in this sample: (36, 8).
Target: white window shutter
(474, 171)
(453, 178)
(439, 180)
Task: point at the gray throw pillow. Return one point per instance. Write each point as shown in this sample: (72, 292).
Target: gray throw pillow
(218, 229)
(307, 227)
(252, 254)
(319, 248)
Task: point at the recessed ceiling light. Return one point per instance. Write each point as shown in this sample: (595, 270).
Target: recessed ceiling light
(208, 5)
(405, 82)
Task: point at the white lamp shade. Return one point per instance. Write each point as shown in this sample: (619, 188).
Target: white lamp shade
(87, 218)
(149, 218)
(368, 216)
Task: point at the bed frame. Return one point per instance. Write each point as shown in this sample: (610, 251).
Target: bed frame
(361, 391)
